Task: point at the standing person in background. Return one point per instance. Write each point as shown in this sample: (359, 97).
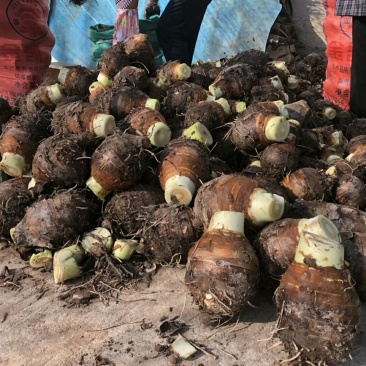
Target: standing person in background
(127, 20)
(178, 28)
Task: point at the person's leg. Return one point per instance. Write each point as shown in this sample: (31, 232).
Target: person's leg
(358, 70)
(178, 28)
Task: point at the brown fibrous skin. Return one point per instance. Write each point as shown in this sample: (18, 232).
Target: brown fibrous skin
(299, 110)
(256, 59)
(266, 93)
(22, 134)
(5, 111)
(345, 218)
(279, 159)
(124, 100)
(78, 80)
(308, 143)
(50, 223)
(60, 160)
(351, 191)
(139, 120)
(222, 264)
(356, 128)
(247, 131)
(356, 143)
(168, 233)
(73, 118)
(210, 114)
(36, 100)
(120, 161)
(181, 96)
(167, 71)
(226, 193)
(277, 244)
(319, 311)
(236, 81)
(125, 211)
(185, 157)
(140, 52)
(204, 74)
(113, 60)
(155, 91)
(15, 198)
(308, 184)
(355, 255)
(131, 76)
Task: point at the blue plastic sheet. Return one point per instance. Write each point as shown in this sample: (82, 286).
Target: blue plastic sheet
(229, 27)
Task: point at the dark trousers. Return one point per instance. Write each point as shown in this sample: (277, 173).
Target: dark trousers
(178, 28)
(358, 70)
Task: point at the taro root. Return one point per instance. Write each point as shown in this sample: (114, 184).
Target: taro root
(308, 184)
(168, 233)
(140, 52)
(112, 61)
(266, 93)
(76, 80)
(118, 163)
(78, 117)
(18, 142)
(234, 82)
(318, 104)
(43, 97)
(5, 111)
(97, 242)
(131, 76)
(150, 123)
(184, 166)
(278, 241)
(50, 223)
(259, 126)
(258, 60)
(15, 198)
(124, 212)
(99, 92)
(172, 72)
(205, 73)
(356, 128)
(60, 161)
(279, 159)
(236, 192)
(319, 309)
(183, 95)
(299, 111)
(223, 269)
(210, 114)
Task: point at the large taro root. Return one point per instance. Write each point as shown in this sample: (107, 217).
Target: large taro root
(118, 163)
(125, 212)
(169, 233)
(15, 198)
(19, 140)
(60, 160)
(319, 309)
(223, 269)
(51, 223)
(131, 76)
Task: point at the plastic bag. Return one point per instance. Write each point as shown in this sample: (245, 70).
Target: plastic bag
(26, 43)
(338, 33)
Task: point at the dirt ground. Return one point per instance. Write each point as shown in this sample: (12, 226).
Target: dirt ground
(38, 328)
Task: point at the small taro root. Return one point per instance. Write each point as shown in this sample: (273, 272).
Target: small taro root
(124, 212)
(18, 142)
(259, 126)
(150, 123)
(15, 198)
(78, 117)
(183, 95)
(131, 76)
(50, 223)
(210, 114)
(318, 104)
(168, 233)
(60, 160)
(234, 82)
(184, 166)
(172, 72)
(204, 73)
(140, 52)
(279, 159)
(5, 111)
(118, 163)
(308, 184)
(236, 192)
(299, 111)
(112, 61)
(76, 80)
(278, 241)
(223, 269)
(319, 309)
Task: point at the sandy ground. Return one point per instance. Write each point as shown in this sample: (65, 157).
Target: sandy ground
(38, 328)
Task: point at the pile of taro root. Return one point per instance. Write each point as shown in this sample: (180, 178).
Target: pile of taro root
(237, 169)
